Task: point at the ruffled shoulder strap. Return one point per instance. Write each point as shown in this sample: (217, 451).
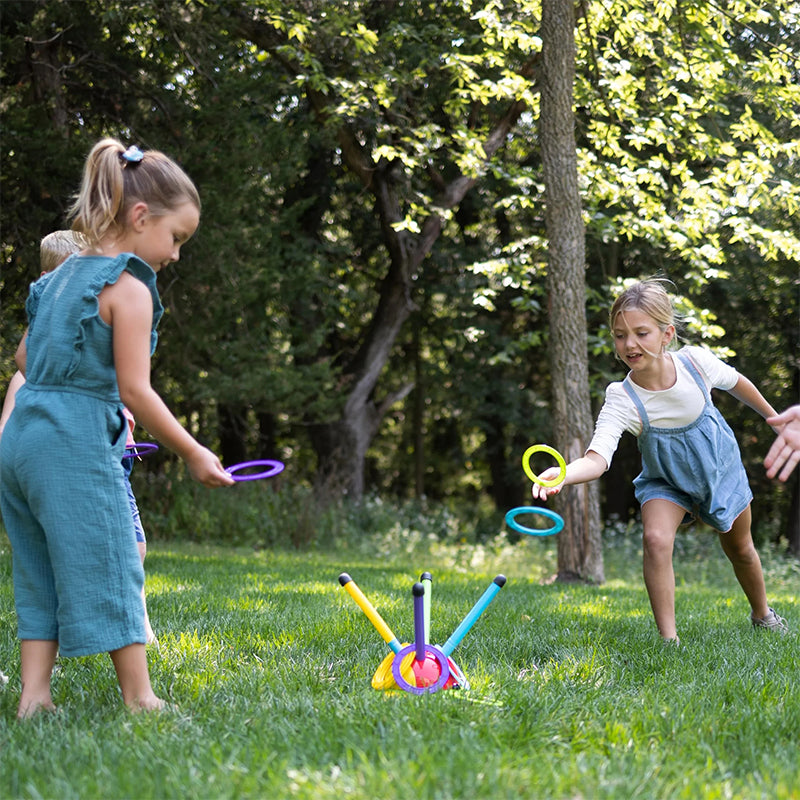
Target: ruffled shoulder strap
(128, 262)
(34, 295)
(105, 271)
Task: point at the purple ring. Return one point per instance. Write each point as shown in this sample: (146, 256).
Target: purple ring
(276, 467)
(140, 449)
(441, 659)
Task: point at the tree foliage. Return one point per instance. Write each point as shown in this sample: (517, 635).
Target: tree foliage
(372, 249)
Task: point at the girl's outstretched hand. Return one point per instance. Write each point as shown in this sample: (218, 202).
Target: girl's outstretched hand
(543, 492)
(206, 468)
(785, 450)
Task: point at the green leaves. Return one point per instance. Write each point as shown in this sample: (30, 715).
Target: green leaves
(676, 137)
(688, 146)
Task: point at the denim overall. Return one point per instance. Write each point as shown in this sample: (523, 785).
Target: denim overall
(698, 467)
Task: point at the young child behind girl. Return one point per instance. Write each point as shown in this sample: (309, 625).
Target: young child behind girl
(691, 463)
(54, 249)
(77, 573)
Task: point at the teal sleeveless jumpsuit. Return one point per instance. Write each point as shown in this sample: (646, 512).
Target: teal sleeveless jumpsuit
(77, 573)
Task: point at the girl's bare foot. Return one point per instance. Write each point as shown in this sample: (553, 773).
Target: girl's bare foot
(150, 636)
(37, 659)
(130, 663)
(30, 708)
(146, 704)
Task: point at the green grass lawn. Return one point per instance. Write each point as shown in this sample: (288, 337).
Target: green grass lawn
(572, 694)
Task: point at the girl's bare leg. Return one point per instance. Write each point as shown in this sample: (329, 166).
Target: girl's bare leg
(661, 519)
(134, 678)
(738, 546)
(37, 659)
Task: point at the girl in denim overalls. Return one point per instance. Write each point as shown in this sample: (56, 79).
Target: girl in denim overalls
(691, 465)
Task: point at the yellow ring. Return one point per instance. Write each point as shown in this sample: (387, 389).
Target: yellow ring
(543, 448)
(383, 678)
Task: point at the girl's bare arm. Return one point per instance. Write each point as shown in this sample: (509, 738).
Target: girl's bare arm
(11, 398)
(746, 392)
(581, 470)
(21, 356)
(128, 306)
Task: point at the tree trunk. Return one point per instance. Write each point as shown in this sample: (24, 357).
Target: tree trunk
(341, 444)
(341, 447)
(580, 553)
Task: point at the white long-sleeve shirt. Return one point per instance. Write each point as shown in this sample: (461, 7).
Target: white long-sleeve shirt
(676, 407)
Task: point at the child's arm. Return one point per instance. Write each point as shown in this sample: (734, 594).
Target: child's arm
(8, 404)
(128, 307)
(581, 470)
(21, 356)
(746, 392)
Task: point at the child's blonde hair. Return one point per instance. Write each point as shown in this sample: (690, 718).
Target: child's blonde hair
(650, 297)
(115, 179)
(57, 247)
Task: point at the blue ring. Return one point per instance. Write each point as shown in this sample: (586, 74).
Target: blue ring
(558, 520)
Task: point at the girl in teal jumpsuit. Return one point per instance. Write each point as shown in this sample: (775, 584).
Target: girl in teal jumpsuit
(77, 573)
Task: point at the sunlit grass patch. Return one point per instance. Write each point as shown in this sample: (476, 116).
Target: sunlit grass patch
(573, 695)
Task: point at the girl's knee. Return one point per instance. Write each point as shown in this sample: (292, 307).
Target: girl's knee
(738, 545)
(741, 552)
(660, 520)
(657, 540)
